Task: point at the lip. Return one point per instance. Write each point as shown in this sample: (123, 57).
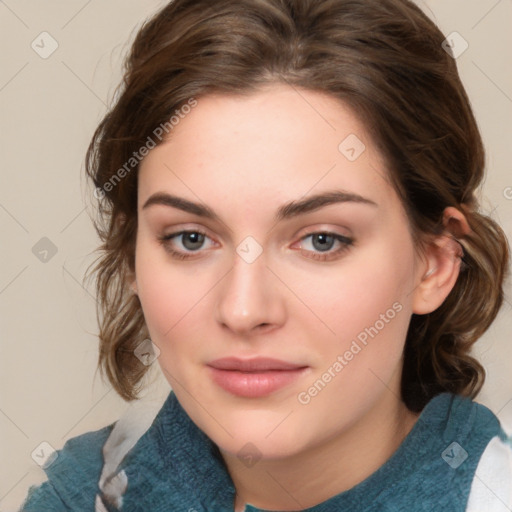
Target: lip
(253, 378)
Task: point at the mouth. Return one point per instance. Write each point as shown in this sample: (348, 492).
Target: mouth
(254, 378)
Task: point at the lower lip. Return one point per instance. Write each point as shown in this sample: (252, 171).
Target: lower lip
(254, 385)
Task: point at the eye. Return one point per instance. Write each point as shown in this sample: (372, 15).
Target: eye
(187, 244)
(183, 244)
(321, 244)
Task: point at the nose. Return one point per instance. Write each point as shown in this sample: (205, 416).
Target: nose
(250, 299)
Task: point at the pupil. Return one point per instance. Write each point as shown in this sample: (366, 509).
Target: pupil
(196, 240)
(326, 242)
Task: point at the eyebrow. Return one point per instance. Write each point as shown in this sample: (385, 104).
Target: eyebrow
(286, 211)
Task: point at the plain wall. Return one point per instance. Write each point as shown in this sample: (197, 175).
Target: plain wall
(49, 390)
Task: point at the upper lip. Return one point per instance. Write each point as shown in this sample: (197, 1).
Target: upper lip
(252, 365)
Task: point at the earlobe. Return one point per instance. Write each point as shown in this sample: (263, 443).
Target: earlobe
(443, 262)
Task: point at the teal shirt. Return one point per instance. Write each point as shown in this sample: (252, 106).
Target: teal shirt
(174, 466)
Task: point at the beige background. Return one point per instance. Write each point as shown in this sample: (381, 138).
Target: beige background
(49, 108)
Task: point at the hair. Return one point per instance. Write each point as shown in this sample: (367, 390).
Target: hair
(382, 58)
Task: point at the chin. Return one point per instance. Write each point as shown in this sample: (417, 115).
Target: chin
(254, 448)
(259, 432)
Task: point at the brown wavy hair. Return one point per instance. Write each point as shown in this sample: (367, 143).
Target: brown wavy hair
(385, 59)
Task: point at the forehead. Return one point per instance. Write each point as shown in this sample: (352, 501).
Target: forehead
(277, 144)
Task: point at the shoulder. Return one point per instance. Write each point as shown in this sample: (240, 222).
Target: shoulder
(476, 448)
(464, 419)
(72, 475)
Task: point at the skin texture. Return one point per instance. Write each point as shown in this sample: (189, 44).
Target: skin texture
(244, 157)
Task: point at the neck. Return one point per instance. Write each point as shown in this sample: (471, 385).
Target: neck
(322, 471)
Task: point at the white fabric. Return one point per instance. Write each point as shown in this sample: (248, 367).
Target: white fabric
(491, 490)
(125, 434)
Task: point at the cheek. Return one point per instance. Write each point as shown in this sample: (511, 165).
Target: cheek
(165, 291)
(368, 307)
(380, 311)
(352, 297)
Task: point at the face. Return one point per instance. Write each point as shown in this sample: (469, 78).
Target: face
(279, 326)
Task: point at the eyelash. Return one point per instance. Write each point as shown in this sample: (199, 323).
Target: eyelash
(345, 242)
(165, 241)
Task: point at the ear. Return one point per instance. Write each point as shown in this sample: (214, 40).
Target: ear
(441, 266)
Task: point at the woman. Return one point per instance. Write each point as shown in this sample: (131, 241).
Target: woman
(287, 208)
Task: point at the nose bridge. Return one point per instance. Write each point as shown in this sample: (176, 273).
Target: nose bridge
(248, 299)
